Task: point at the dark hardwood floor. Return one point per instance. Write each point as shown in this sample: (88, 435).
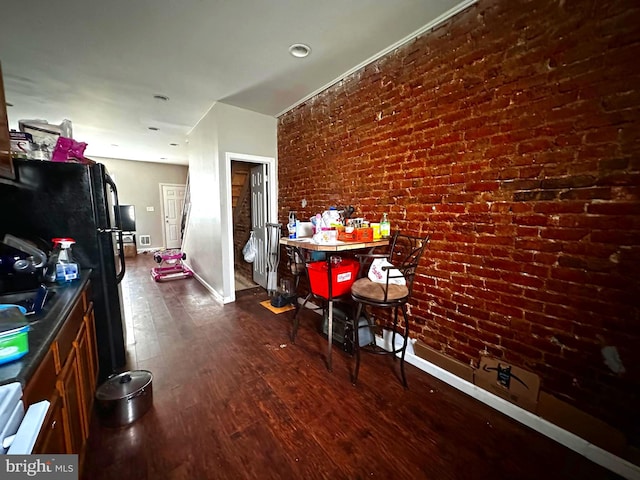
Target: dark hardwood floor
(234, 399)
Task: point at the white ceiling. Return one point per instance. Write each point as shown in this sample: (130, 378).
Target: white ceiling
(99, 63)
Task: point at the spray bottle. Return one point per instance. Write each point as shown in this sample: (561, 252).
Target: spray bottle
(62, 267)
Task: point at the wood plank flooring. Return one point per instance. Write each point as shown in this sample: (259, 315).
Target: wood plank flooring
(234, 399)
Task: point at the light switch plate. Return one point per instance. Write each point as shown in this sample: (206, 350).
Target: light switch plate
(150, 209)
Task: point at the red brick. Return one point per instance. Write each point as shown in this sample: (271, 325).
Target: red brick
(530, 220)
(569, 234)
(614, 208)
(538, 245)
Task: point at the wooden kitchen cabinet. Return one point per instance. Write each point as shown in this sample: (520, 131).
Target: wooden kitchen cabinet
(42, 385)
(85, 376)
(70, 388)
(52, 437)
(67, 378)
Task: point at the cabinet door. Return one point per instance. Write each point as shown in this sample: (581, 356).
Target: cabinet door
(87, 382)
(42, 385)
(70, 390)
(51, 438)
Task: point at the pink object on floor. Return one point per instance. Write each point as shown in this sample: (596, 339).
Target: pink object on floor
(174, 269)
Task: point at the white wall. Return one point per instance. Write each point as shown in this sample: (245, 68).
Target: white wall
(138, 184)
(207, 242)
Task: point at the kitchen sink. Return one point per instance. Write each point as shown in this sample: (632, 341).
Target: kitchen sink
(34, 301)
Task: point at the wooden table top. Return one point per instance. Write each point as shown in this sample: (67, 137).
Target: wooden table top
(338, 246)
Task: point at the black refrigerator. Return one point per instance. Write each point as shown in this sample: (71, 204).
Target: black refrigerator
(51, 199)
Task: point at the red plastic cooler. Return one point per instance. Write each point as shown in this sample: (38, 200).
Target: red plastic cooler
(344, 274)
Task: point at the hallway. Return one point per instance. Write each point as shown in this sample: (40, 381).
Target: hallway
(233, 399)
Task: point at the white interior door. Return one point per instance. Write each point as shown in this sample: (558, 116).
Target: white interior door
(258, 220)
(172, 203)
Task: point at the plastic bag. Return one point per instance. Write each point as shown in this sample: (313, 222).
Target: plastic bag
(378, 275)
(250, 250)
(68, 150)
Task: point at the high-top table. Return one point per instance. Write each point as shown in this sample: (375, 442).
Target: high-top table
(305, 243)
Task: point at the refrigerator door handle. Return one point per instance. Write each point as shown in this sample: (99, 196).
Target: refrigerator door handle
(118, 228)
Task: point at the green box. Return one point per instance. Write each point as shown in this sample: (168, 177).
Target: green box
(14, 344)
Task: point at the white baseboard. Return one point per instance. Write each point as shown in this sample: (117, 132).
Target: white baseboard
(211, 290)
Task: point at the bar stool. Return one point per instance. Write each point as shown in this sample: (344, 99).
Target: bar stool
(388, 292)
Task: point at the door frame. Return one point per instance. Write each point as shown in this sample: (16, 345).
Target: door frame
(164, 228)
(228, 257)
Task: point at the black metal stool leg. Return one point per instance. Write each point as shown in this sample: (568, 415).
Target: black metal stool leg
(393, 333)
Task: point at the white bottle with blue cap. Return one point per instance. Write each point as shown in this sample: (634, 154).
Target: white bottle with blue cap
(292, 225)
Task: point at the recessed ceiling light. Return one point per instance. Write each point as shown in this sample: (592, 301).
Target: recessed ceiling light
(173, 144)
(155, 129)
(162, 98)
(299, 50)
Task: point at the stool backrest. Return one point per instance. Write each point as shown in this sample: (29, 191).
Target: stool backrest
(405, 252)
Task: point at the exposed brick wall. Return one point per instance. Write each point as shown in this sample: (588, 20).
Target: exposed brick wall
(511, 135)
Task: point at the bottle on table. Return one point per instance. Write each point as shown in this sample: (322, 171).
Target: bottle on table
(292, 225)
(385, 226)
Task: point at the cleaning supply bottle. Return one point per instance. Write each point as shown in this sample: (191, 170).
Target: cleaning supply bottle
(292, 225)
(385, 226)
(62, 267)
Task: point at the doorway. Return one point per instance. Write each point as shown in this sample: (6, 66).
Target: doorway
(265, 203)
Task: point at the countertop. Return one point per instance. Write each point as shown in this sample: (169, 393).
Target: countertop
(44, 329)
